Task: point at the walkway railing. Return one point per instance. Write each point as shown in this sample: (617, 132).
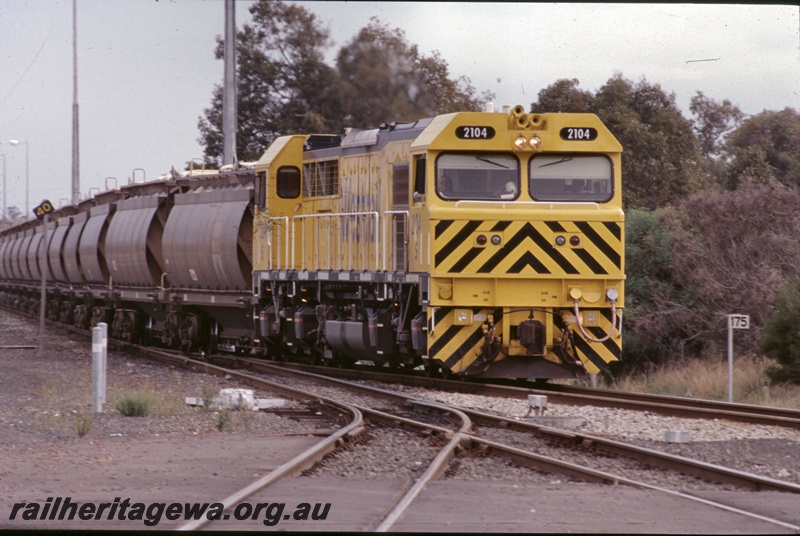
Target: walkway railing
(339, 241)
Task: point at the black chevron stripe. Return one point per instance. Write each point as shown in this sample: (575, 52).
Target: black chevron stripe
(556, 226)
(467, 258)
(456, 241)
(586, 349)
(440, 314)
(443, 340)
(528, 231)
(610, 252)
(528, 259)
(612, 344)
(462, 350)
(590, 261)
(614, 228)
(500, 226)
(442, 226)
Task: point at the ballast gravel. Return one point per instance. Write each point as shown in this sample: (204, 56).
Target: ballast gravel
(771, 451)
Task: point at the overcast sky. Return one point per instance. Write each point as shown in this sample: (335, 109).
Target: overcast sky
(146, 68)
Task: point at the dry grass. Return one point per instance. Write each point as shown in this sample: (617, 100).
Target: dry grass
(62, 400)
(146, 401)
(709, 380)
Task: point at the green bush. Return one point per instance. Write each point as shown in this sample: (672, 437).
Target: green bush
(224, 420)
(710, 255)
(83, 424)
(653, 312)
(781, 336)
(137, 403)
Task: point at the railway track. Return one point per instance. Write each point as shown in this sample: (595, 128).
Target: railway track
(581, 396)
(582, 457)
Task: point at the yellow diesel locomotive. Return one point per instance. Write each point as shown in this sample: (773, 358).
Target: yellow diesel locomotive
(474, 243)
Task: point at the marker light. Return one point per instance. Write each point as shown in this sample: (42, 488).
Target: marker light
(560, 240)
(463, 317)
(575, 240)
(481, 240)
(496, 240)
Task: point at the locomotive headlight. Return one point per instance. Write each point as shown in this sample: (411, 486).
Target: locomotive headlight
(463, 317)
(612, 294)
(520, 142)
(535, 142)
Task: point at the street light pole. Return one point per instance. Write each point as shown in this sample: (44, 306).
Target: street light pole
(27, 182)
(76, 191)
(229, 97)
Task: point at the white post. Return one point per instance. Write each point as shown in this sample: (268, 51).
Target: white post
(104, 327)
(734, 322)
(43, 293)
(730, 361)
(99, 348)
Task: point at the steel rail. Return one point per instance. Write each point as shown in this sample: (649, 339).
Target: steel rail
(300, 462)
(435, 469)
(656, 458)
(579, 396)
(292, 467)
(321, 449)
(641, 454)
(771, 411)
(549, 464)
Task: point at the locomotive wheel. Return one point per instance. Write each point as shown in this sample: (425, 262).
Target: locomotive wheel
(431, 369)
(436, 369)
(147, 337)
(446, 373)
(339, 361)
(213, 337)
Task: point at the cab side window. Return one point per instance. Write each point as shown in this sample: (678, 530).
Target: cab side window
(288, 182)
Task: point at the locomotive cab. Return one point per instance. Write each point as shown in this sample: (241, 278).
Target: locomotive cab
(526, 244)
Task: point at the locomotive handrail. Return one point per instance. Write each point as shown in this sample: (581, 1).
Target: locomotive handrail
(405, 232)
(350, 242)
(285, 219)
(535, 203)
(132, 178)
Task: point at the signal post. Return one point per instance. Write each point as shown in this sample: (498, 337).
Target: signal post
(42, 211)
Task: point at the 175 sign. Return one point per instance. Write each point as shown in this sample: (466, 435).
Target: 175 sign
(42, 209)
(739, 321)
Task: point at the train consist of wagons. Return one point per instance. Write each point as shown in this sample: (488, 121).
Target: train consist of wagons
(473, 243)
